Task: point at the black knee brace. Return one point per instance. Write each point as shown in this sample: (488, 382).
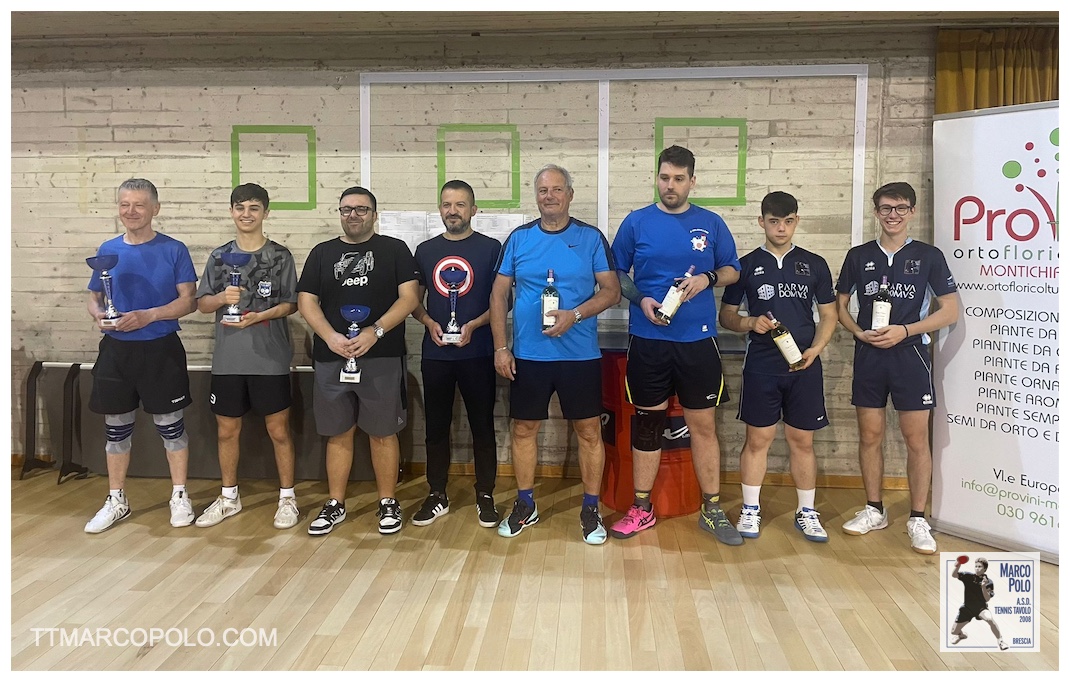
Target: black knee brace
(649, 424)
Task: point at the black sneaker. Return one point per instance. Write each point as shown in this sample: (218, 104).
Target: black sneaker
(523, 515)
(330, 516)
(594, 531)
(488, 513)
(389, 516)
(435, 505)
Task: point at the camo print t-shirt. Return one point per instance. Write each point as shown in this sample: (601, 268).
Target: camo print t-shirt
(268, 279)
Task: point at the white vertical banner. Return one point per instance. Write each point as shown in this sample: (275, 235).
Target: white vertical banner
(996, 427)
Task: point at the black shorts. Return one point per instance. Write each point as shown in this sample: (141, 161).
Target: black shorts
(150, 372)
(658, 369)
(235, 394)
(968, 613)
(904, 372)
(799, 397)
(578, 384)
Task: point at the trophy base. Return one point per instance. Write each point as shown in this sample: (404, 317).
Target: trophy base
(109, 322)
(232, 318)
(349, 377)
(451, 338)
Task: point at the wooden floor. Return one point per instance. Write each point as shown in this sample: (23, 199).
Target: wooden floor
(454, 596)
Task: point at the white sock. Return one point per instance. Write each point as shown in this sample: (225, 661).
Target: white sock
(751, 494)
(175, 489)
(806, 498)
(230, 492)
(286, 492)
(117, 494)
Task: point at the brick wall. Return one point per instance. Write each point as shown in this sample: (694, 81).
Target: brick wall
(83, 120)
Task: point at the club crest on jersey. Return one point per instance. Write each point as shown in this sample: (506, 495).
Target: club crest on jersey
(699, 243)
(766, 292)
(927, 399)
(802, 269)
(912, 267)
(263, 289)
(871, 266)
(759, 270)
(872, 288)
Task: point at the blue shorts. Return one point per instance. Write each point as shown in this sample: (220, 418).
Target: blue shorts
(799, 397)
(905, 372)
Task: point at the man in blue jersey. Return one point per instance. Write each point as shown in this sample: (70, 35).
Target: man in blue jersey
(141, 359)
(563, 358)
(662, 244)
(462, 360)
(895, 358)
(786, 281)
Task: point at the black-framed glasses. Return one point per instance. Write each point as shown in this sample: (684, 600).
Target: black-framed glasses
(902, 209)
(346, 211)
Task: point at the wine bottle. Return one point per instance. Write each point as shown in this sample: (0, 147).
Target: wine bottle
(786, 343)
(551, 300)
(882, 306)
(672, 301)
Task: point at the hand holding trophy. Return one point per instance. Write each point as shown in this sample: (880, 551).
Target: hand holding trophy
(102, 264)
(354, 314)
(234, 261)
(453, 278)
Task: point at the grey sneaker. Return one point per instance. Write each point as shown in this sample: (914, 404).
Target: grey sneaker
(713, 520)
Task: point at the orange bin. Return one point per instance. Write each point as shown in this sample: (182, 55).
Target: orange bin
(676, 491)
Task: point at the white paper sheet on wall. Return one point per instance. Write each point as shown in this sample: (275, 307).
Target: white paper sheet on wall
(408, 226)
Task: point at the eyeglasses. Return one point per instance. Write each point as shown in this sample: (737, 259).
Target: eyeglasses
(899, 210)
(346, 211)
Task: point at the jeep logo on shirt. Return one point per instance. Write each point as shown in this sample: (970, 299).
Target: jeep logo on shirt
(355, 281)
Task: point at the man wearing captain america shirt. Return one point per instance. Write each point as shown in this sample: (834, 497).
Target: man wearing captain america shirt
(785, 280)
(659, 244)
(895, 359)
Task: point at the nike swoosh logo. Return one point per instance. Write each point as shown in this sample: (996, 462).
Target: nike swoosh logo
(572, 246)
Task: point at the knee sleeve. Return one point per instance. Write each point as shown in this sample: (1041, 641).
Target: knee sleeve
(118, 428)
(172, 429)
(649, 424)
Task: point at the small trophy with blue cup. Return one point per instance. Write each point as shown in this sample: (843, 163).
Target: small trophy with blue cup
(102, 264)
(234, 261)
(453, 278)
(354, 314)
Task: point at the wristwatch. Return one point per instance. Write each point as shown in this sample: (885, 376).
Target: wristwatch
(579, 316)
(379, 332)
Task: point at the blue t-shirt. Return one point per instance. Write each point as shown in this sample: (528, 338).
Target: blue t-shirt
(788, 288)
(575, 254)
(658, 248)
(916, 273)
(476, 255)
(146, 276)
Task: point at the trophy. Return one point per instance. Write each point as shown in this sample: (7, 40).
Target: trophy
(102, 264)
(453, 279)
(355, 314)
(235, 261)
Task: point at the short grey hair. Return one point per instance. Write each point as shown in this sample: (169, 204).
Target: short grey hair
(553, 167)
(140, 185)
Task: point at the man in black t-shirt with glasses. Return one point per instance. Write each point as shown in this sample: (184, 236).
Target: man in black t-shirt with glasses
(376, 271)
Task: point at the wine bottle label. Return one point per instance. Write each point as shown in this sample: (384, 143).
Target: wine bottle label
(671, 303)
(549, 303)
(788, 348)
(882, 313)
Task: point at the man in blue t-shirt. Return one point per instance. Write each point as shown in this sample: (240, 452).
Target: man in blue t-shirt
(456, 272)
(554, 350)
(785, 281)
(674, 243)
(895, 358)
(141, 359)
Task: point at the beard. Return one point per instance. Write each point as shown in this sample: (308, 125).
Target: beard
(458, 228)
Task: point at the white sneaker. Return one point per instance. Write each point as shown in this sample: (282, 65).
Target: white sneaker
(921, 539)
(1002, 645)
(750, 521)
(806, 520)
(866, 520)
(217, 511)
(181, 510)
(955, 639)
(112, 511)
(287, 514)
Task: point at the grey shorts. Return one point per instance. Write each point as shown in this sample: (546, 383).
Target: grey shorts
(377, 405)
